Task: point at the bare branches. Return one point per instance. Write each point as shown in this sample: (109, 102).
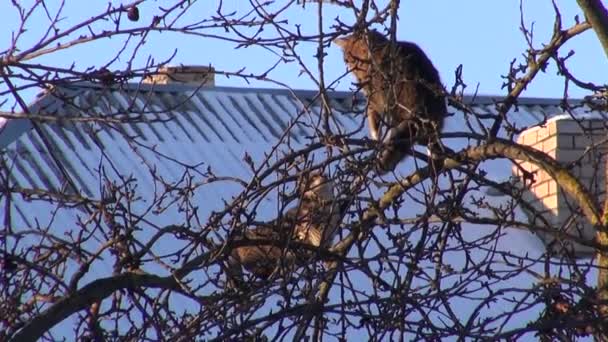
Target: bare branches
(96, 291)
(123, 200)
(536, 61)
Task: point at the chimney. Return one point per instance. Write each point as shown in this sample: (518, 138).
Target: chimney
(566, 140)
(197, 75)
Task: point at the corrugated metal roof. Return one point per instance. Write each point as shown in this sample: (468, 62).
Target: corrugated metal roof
(171, 127)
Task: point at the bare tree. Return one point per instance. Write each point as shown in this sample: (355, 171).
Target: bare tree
(154, 254)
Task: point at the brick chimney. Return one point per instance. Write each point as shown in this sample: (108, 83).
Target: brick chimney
(197, 75)
(566, 140)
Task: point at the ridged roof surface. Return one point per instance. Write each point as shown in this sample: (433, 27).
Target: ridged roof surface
(180, 121)
(162, 137)
(158, 135)
(165, 130)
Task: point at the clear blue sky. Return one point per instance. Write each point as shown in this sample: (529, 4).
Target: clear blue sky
(483, 36)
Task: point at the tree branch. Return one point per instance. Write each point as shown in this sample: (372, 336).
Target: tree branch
(498, 148)
(597, 15)
(559, 38)
(93, 292)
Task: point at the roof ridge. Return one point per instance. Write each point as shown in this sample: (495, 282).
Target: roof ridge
(484, 99)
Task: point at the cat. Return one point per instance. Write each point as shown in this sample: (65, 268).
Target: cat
(314, 221)
(404, 93)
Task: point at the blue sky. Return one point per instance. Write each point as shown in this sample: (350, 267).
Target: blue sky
(483, 36)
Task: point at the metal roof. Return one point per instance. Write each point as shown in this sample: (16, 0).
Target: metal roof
(174, 128)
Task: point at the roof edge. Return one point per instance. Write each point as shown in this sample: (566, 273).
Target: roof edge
(310, 93)
(12, 128)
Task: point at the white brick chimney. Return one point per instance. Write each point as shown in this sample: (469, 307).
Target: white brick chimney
(567, 141)
(198, 75)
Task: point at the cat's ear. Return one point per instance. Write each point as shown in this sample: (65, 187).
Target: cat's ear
(341, 42)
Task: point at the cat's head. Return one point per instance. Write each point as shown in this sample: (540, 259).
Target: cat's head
(357, 46)
(316, 187)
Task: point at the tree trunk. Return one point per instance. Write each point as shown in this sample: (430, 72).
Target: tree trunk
(602, 262)
(596, 14)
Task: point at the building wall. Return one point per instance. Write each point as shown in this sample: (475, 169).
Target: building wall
(580, 146)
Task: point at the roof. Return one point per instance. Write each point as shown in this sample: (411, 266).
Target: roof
(181, 128)
(201, 115)
(166, 136)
